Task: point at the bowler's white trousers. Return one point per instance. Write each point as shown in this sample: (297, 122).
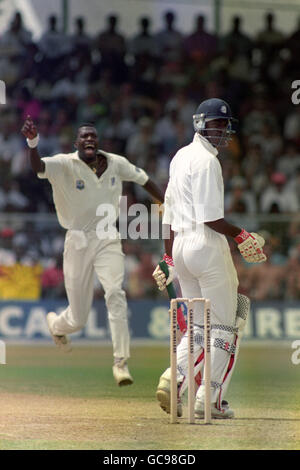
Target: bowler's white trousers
(205, 269)
(85, 254)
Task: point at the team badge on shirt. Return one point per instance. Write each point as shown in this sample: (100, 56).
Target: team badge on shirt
(113, 180)
(79, 184)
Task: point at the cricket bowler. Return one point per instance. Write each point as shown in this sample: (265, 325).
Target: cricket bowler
(81, 181)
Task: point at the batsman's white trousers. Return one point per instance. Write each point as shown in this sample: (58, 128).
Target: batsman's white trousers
(205, 269)
(85, 254)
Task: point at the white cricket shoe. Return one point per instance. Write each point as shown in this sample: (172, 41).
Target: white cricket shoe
(121, 373)
(164, 398)
(61, 341)
(224, 413)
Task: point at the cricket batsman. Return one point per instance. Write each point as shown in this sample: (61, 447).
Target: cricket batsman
(197, 249)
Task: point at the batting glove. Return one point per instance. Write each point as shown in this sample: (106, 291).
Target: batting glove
(161, 280)
(250, 246)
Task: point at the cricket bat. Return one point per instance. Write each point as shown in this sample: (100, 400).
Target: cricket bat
(172, 295)
(180, 317)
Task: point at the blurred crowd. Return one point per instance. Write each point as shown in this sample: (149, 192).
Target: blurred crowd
(141, 93)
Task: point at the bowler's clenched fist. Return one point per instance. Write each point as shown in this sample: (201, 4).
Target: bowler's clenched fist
(29, 129)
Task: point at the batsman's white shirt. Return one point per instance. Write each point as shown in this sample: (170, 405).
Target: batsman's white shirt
(77, 194)
(195, 192)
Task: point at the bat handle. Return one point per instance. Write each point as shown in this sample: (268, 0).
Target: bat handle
(172, 295)
(170, 288)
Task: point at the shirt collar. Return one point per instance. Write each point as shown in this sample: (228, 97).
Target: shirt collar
(206, 144)
(76, 156)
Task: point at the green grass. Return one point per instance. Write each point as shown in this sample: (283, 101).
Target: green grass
(52, 400)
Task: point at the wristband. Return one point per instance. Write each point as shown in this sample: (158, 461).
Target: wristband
(32, 143)
(168, 259)
(242, 236)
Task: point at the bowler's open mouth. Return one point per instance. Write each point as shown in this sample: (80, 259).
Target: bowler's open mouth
(90, 149)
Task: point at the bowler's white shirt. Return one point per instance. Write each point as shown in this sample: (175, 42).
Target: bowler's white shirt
(78, 192)
(195, 192)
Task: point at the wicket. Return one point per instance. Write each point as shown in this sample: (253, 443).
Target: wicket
(173, 359)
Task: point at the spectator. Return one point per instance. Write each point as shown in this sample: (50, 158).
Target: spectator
(293, 44)
(289, 162)
(239, 199)
(294, 228)
(233, 64)
(9, 69)
(11, 198)
(62, 127)
(185, 106)
(142, 278)
(294, 184)
(20, 166)
(131, 252)
(15, 41)
(259, 115)
(253, 167)
(138, 144)
(10, 142)
(112, 47)
(30, 66)
(7, 255)
(293, 273)
(270, 36)
(169, 129)
(269, 140)
(277, 197)
(291, 127)
(266, 279)
(169, 41)
(200, 46)
(52, 280)
(269, 40)
(26, 254)
(78, 63)
(49, 142)
(120, 128)
(67, 86)
(54, 46)
(143, 44)
(81, 44)
(237, 38)
(28, 105)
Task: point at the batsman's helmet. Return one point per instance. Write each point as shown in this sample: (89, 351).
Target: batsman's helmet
(209, 110)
